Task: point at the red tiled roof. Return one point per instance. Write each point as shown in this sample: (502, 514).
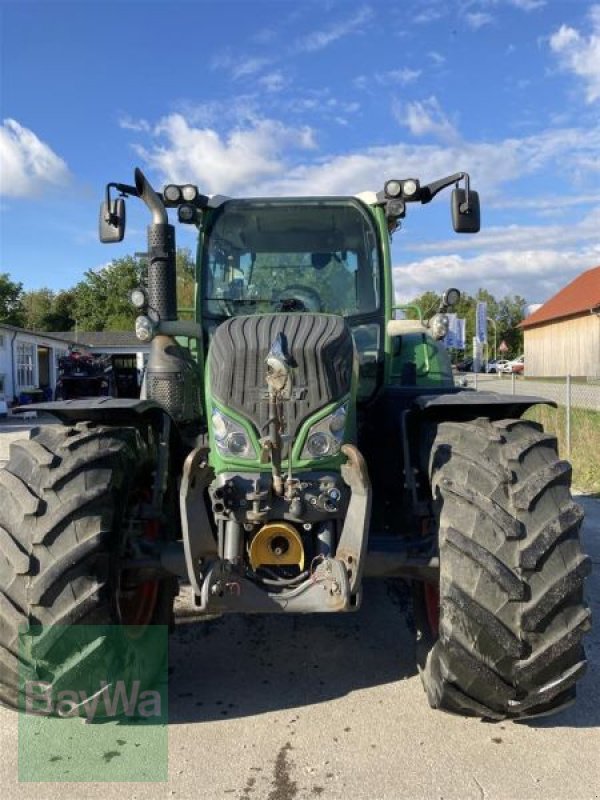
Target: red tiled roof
(576, 298)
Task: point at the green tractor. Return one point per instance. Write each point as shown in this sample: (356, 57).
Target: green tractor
(291, 440)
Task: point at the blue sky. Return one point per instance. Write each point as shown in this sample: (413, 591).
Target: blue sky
(258, 98)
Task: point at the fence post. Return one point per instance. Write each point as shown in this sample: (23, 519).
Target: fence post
(514, 382)
(474, 380)
(568, 413)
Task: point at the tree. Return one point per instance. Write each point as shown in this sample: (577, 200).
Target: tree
(62, 315)
(506, 313)
(37, 306)
(11, 300)
(186, 280)
(102, 297)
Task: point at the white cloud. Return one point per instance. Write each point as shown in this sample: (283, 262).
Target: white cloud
(138, 125)
(221, 164)
(264, 36)
(248, 66)
(424, 117)
(394, 77)
(547, 205)
(527, 5)
(427, 15)
(491, 164)
(477, 19)
(437, 58)
(27, 164)
(522, 236)
(273, 81)
(319, 39)
(580, 54)
(237, 66)
(535, 274)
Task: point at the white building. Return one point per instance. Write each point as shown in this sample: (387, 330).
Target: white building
(29, 360)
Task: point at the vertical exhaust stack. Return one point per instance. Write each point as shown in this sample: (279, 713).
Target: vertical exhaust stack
(171, 374)
(162, 285)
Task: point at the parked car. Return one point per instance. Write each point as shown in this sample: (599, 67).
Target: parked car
(517, 365)
(466, 365)
(496, 365)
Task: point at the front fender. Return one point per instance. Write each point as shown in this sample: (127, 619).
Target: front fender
(468, 404)
(113, 410)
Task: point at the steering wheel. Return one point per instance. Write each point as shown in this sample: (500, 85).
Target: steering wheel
(298, 298)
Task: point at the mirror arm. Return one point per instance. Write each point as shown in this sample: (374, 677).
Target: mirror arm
(429, 192)
(123, 190)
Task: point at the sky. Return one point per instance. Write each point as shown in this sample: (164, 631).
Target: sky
(277, 97)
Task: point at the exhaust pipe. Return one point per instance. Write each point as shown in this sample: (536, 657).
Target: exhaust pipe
(152, 200)
(171, 374)
(162, 285)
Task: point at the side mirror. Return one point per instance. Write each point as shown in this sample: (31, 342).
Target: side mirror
(111, 224)
(465, 219)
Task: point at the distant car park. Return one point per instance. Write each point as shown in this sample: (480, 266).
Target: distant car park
(517, 365)
(496, 365)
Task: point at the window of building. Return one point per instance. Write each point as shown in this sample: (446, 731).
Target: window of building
(25, 359)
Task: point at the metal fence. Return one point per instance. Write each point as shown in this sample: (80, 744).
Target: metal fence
(575, 421)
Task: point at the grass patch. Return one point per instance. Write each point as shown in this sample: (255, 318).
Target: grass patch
(585, 441)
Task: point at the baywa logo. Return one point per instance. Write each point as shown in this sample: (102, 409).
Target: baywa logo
(112, 699)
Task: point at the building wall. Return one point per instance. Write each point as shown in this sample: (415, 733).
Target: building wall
(9, 360)
(567, 347)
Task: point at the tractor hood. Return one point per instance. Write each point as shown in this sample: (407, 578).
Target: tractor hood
(320, 351)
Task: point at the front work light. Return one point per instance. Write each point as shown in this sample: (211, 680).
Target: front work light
(186, 214)
(410, 188)
(172, 193)
(393, 188)
(144, 328)
(189, 192)
(138, 297)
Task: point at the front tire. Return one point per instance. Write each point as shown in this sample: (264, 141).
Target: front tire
(511, 608)
(66, 498)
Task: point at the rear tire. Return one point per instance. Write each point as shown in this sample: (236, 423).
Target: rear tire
(512, 614)
(65, 496)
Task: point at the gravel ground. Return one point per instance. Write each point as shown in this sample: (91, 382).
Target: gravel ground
(292, 708)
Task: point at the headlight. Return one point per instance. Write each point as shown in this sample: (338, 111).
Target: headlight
(319, 444)
(410, 187)
(144, 329)
(186, 214)
(172, 193)
(230, 437)
(326, 436)
(439, 325)
(189, 192)
(138, 297)
(393, 188)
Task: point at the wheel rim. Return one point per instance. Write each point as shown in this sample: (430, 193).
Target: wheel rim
(432, 606)
(137, 604)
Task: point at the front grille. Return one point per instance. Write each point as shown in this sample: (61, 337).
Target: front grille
(320, 344)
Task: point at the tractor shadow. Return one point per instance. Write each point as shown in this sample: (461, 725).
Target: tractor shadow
(242, 665)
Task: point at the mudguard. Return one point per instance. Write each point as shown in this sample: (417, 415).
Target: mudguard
(115, 410)
(468, 404)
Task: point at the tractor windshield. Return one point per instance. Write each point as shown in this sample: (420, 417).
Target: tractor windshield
(283, 255)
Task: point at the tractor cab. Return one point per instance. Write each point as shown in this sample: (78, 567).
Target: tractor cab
(306, 255)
